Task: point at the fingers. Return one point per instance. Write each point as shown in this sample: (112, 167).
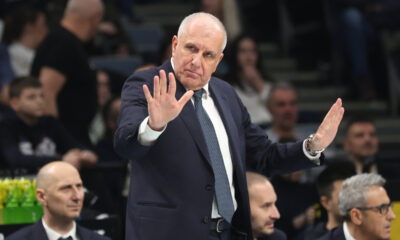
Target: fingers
(185, 98)
(156, 87)
(172, 84)
(163, 82)
(160, 85)
(147, 93)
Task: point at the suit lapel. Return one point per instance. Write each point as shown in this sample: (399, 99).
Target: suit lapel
(189, 118)
(39, 232)
(223, 106)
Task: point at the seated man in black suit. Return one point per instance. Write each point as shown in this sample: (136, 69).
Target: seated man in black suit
(329, 183)
(60, 191)
(262, 198)
(366, 209)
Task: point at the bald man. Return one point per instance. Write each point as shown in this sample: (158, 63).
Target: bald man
(61, 64)
(189, 142)
(59, 190)
(262, 208)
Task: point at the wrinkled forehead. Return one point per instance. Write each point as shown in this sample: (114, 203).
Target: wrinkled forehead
(208, 33)
(61, 180)
(376, 196)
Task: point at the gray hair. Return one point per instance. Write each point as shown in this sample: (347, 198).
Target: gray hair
(191, 17)
(353, 191)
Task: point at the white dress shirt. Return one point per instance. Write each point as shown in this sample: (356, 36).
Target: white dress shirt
(255, 102)
(346, 231)
(147, 136)
(53, 235)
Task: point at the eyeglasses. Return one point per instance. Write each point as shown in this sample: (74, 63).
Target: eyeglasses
(383, 209)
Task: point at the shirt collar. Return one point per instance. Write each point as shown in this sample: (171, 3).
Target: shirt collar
(53, 235)
(346, 232)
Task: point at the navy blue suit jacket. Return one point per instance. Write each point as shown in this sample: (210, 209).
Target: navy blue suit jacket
(36, 231)
(334, 234)
(171, 190)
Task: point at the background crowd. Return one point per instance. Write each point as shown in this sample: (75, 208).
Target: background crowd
(63, 64)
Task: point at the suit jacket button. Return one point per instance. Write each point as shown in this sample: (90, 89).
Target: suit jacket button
(206, 219)
(209, 187)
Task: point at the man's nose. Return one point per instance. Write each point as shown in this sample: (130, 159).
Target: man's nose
(77, 194)
(275, 213)
(196, 59)
(391, 214)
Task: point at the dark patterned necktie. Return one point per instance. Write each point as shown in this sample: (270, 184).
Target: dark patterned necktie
(222, 188)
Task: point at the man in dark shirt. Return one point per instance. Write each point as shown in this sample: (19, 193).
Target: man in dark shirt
(61, 64)
(329, 184)
(29, 140)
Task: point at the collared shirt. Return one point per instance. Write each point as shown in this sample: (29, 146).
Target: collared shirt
(53, 235)
(147, 136)
(346, 231)
(222, 137)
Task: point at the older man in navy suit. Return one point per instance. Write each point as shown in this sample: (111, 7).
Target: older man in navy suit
(59, 190)
(190, 142)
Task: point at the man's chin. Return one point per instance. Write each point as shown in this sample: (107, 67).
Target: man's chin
(192, 83)
(269, 229)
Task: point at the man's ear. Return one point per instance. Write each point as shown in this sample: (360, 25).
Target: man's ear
(356, 216)
(174, 44)
(324, 202)
(14, 102)
(41, 197)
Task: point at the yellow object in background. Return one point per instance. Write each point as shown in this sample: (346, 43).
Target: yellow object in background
(395, 233)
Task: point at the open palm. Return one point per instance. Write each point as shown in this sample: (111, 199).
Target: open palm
(163, 107)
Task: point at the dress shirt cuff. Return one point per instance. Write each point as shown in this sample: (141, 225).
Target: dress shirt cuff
(146, 135)
(314, 159)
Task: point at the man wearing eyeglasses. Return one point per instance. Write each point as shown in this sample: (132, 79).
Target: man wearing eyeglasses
(366, 209)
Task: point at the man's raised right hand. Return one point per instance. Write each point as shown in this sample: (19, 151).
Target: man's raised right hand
(163, 106)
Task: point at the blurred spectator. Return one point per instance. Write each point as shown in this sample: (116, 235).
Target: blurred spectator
(366, 209)
(227, 12)
(296, 203)
(6, 74)
(358, 24)
(247, 77)
(329, 184)
(110, 116)
(97, 127)
(264, 213)
(30, 140)
(361, 143)
(25, 28)
(61, 64)
(59, 189)
(283, 106)
(111, 38)
(111, 191)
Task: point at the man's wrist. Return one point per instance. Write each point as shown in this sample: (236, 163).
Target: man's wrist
(309, 148)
